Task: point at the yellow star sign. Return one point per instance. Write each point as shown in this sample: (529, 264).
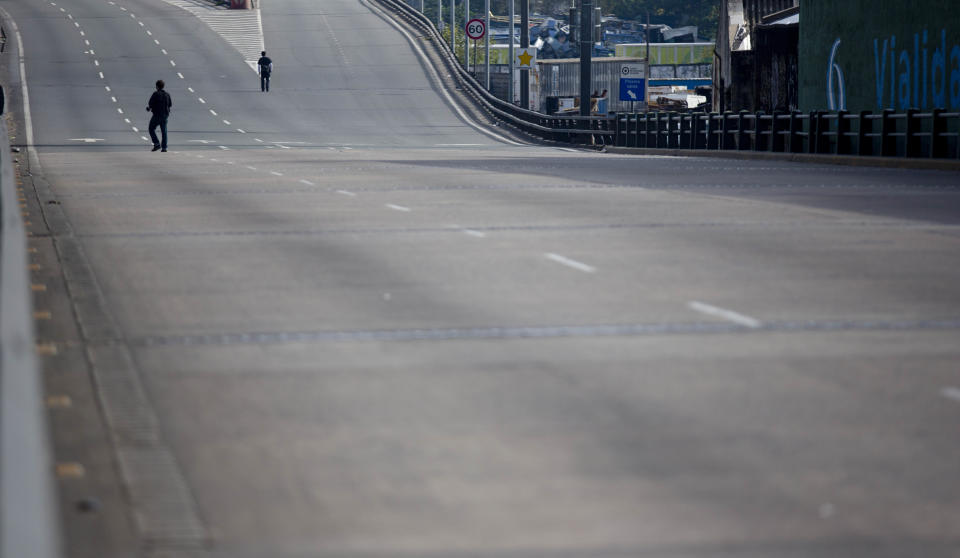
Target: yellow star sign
(525, 58)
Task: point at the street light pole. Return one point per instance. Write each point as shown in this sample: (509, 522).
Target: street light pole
(453, 28)
(525, 43)
(586, 48)
(466, 40)
(510, 48)
(486, 40)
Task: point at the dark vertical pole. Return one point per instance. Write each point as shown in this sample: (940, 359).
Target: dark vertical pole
(525, 43)
(586, 51)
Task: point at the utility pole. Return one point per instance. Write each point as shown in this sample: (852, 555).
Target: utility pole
(466, 40)
(586, 52)
(646, 77)
(453, 28)
(486, 40)
(513, 14)
(525, 43)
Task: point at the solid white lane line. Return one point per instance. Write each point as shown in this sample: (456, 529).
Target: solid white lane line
(951, 392)
(570, 263)
(728, 315)
(347, 193)
(275, 173)
(307, 182)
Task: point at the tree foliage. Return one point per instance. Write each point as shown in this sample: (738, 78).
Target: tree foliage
(675, 13)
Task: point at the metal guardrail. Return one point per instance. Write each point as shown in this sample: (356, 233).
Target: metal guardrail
(28, 524)
(567, 129)
(934, 134)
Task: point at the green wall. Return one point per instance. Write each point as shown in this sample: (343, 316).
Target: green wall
(891, 54)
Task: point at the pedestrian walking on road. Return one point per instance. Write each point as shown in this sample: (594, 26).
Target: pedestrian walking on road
(265, 66)
(159, 104)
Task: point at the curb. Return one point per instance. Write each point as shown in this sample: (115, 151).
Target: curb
(845, 160)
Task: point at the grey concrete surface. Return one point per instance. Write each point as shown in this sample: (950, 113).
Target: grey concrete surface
(403, 338)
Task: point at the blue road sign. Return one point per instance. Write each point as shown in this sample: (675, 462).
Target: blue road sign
(633, 89)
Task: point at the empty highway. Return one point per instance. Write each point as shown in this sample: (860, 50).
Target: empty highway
(344, 319)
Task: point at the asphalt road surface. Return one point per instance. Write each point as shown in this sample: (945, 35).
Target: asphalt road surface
(338, 320)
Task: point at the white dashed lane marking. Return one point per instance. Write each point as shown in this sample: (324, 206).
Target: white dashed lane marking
(728, 315)
(396, 207)
(563, 260)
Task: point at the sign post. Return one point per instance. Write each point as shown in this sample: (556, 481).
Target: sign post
(633, 82)
(475, 30)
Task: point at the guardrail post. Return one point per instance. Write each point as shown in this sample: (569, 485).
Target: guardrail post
(616, 131)
(913, 137)
(796, 126)
(713, 142)
(694, 130)
(888, 142)
(938, 142)
(649, 132)
(758, 130)
(842, 146)
(813, 132)
(674, 127)
(864, 127)
(741, 130)
(724, 129)
(775, 140)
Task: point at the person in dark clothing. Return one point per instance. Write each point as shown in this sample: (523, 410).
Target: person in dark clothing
(265, 66)
(159, 104)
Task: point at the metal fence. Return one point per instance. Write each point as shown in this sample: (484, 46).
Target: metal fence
(934, 134)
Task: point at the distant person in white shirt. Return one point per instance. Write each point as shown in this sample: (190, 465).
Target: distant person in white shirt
(265, 67)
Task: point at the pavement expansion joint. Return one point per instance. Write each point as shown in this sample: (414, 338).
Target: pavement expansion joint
(537, 332)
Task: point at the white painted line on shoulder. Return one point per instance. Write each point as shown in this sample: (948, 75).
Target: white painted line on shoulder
(951, 392)
(149, 33)
(258, 140)
(179, 75)
(190, 89)
(76, 24)
(214, 160)
(728, 315)
(570, 263)
(231, 162)
(347, 193)
(163, 50)
(157, 42)
(227, 122)
(86, 42)
(107, 87)
(141, 23)
(398, 207)
(275, 173)
(114, 99)
(144, 138)
(96, 62)
(213, 112)
(82, 34)
(241, 131)
(224, 147)
(62, 10)
(135, 129)
(91, 52)
(251, 168)
(69, 16)
(201, 100)
(307, 182)
(120, 110)
(101, 75)
(473, 233)
(127, 120)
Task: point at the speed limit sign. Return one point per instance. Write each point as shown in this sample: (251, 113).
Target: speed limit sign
(476, 29)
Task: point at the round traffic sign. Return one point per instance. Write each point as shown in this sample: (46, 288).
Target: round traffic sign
(476, 29)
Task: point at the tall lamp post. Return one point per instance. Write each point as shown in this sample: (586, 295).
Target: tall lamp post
(525, 43)
(586, 48)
